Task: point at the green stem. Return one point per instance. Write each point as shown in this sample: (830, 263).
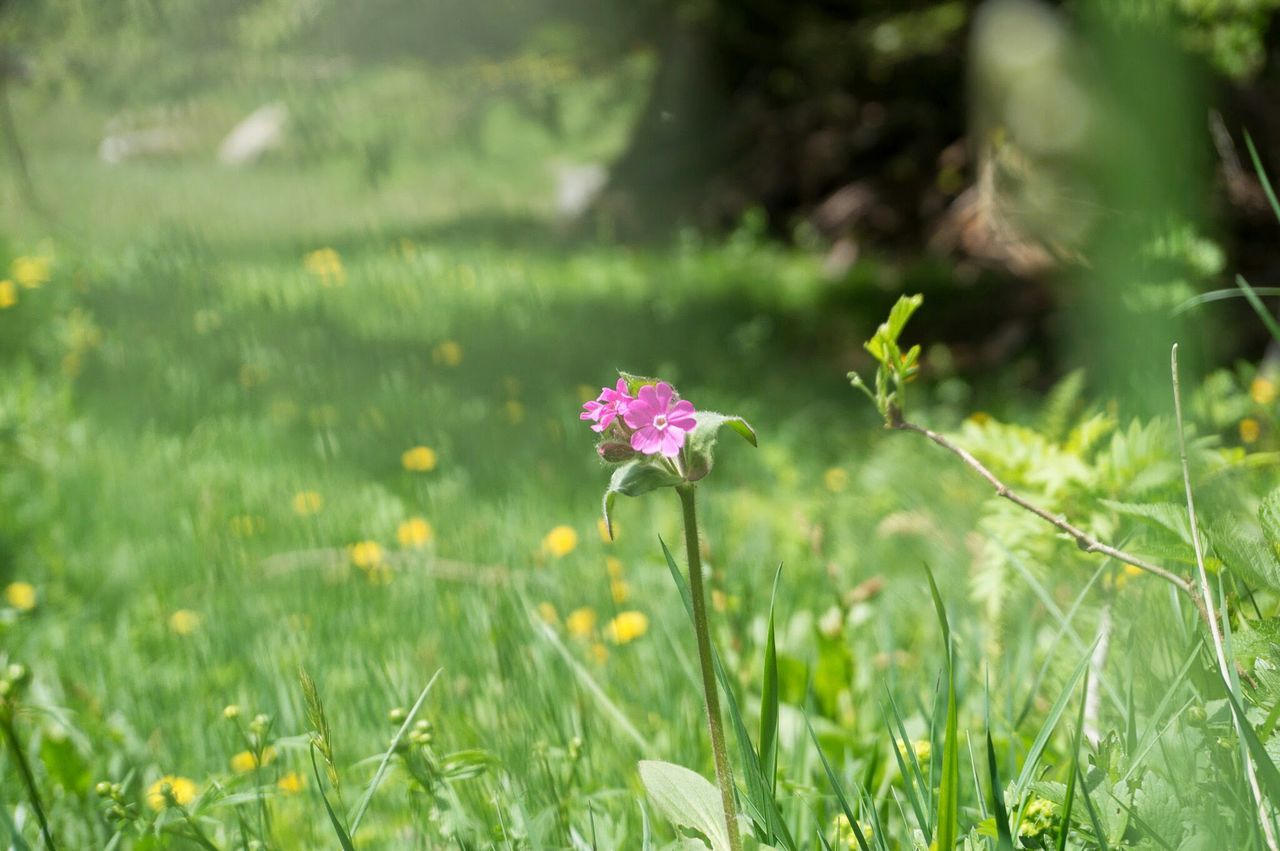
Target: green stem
(700, 627)
(11, 736)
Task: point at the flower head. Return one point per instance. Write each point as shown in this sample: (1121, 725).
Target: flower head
(627, 627)
(184, 621)
(560, 541)
(419, 459)
(660, 422)
(170, 789)
(608, 406)
(21, 596)
(581, 622)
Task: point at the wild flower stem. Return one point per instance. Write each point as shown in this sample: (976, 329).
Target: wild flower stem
(701, 629)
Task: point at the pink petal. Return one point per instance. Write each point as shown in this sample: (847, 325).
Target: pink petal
(672, 440)
(647, 440)
(662, 395)
(639, 413)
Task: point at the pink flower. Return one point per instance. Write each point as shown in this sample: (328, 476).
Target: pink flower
(608, 406)
(660, 422)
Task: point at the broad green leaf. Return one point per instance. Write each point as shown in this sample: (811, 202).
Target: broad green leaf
(686, 799)
(1168, 516)
(633, 479)
(1245, 549)
(702, 440)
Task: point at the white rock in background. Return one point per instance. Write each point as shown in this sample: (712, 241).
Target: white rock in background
(577, 186)
(261, 131)
(146, 143)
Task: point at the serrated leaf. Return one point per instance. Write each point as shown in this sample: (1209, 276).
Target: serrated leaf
(1245, 550)
(1269, 519)
(633, 479)
(686, 799)
(1169, 516)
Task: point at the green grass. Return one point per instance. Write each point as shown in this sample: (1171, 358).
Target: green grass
(223, 379)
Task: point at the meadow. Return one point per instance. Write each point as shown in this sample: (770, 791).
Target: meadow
(265, 422)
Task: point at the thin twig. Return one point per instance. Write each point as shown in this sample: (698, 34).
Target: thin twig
(1084, 540)
(1219, 647)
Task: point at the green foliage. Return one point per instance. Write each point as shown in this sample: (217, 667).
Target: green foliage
(894, 367)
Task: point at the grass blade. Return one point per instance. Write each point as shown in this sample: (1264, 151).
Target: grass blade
(1004, 839)
(769, 700)
(386, 757)
(1075, 768)
(344, 838)
(1099, 833)
(838, 788)
(949, 789)
(1261, 309)
(1046, 730)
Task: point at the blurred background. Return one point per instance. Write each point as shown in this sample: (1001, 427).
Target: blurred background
(302, 298)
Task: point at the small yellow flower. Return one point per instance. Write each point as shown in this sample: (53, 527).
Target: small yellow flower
(448, 353)
(31, 272)
(619, 590)
(246, 525)
(307, 502)
(719, 601)
(179, 790)
(184, 621)
(246, 761)
(8, 294)
(414, 532)
(291, 783)
(560, 541)
(1263, 390)
(366, 555)
(581, 622)
(836, 479)
(21, 596)
(326, 265)
(603, 528)
(599, 653)
(547, 612)
(922, 748)
(614, 567)
(845, 837)
(1250, 430)
(515, 412)
(419, 459)
(627, 626)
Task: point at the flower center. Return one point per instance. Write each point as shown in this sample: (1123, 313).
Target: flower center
(660, 421)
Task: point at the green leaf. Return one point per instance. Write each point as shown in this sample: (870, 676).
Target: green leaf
(1269, 519)
(769, 700)
(635, 382)
(1247, 550)
(1065, 827)
(633, 479)
(686, 799)
(1169, 516)
(949, 789)
(702, 440)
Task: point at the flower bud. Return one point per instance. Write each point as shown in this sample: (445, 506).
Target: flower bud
(396, 716)
(615, 452)
(103, 789)
(19, 674)
(231, 712)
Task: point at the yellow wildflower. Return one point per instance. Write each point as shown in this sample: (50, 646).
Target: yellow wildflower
(307, 502)
(31, 272)
(246, 761)
(366, 555)
(1250, 430)
(291, 783)
(922, 748)
(627, 626)
(614, 567)
(581, 622)
(184, 621)
(599, 653)
(326, 264)
(560, 541)
(246, 525)
(8, 294)
(603, 528)
(21, 596)
(448, 353)
(179, 790)
(515, 412)
(1263, 390)
(835, 479)
(419, 459)
(619, 590)
(845, 837)
(547, 612)
(414, 532)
